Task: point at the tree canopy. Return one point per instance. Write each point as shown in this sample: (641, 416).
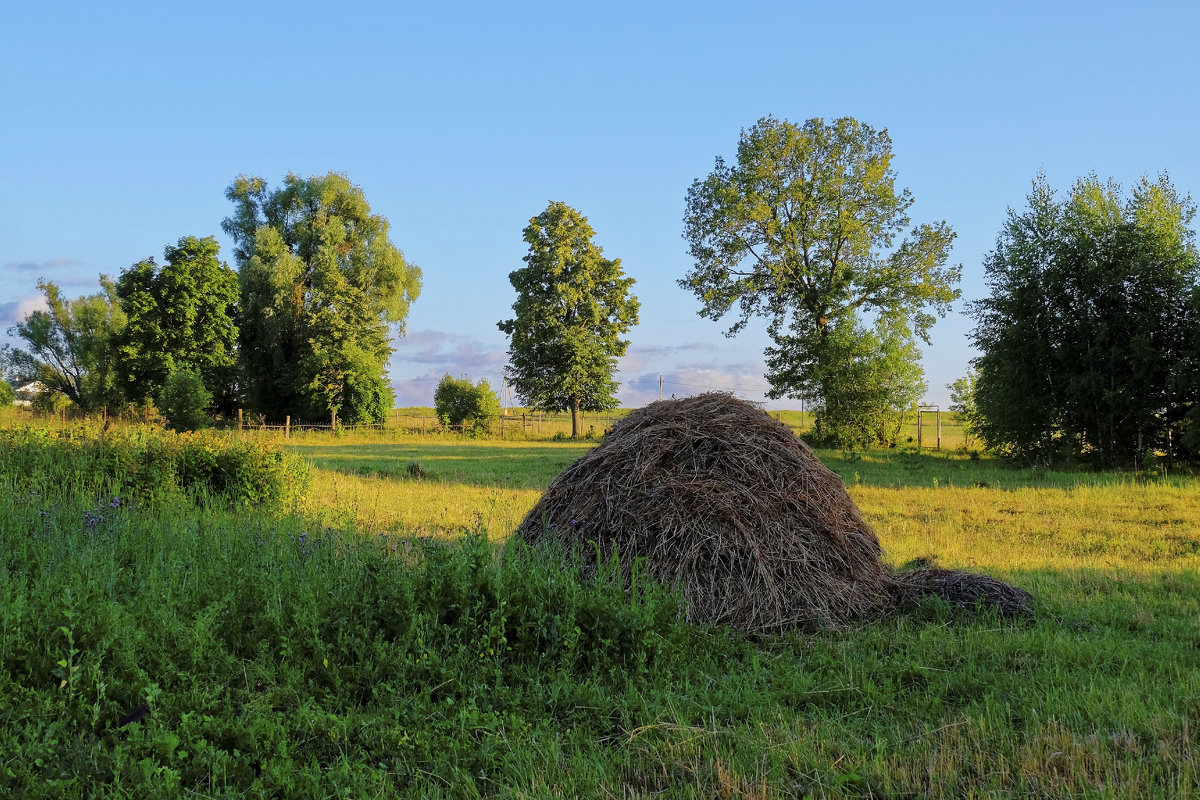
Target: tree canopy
(69, 346)
(573, 306)
(321, 287)
(180, 317)
(1089, 335)
(806, 229)
(458, 402)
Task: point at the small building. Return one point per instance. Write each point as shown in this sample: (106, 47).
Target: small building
(27, 393)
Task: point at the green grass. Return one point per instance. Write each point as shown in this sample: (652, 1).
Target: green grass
(330, 653)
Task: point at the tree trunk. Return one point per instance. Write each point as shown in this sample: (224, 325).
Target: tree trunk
(574, 417)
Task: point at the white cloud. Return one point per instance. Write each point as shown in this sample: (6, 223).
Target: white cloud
(454, 353)
(17, 310)
(743, 379)
(423, 357)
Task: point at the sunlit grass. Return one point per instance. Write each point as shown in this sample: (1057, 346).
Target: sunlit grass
(963, 512)
(473, 486)
(301, 654)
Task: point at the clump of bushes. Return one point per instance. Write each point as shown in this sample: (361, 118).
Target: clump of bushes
(151, 465)
(458, 402)
(184, 401)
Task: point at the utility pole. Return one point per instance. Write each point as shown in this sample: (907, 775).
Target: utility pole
(660, 386)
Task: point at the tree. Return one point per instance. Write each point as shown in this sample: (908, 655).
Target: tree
(1087, 337)
(870, 380)
(180, 317)
(962, 403)
(807, 230)
(573, 305)
(8, 395)
(184, 401)
(457, 401)
(321, 287)
(70, 346)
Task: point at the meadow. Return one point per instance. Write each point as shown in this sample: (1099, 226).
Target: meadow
(367, 639)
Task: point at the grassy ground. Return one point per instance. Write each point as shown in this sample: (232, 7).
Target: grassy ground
(305, 654)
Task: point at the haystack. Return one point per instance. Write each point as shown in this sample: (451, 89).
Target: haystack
(725, 502)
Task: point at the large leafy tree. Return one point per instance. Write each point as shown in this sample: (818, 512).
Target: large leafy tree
(1017, 375)
(1088, 336)
(573, 306)
(70, 346)
(180, 317)
(807, 230)
(870, 379)
(322, 287)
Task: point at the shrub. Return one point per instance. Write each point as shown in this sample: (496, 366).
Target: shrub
(7, 394)
(184, 401)
(151, 465)
(457, 401)
(51, 402)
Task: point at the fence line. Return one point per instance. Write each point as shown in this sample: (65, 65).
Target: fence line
(517, 425)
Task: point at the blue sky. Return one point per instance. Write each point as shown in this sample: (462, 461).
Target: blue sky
(121, 125)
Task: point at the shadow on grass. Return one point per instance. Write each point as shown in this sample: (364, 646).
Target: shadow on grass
(488, 463)
(532, 465)
(910, 468)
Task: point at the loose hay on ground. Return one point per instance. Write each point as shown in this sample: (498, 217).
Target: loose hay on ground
(964, 589)
(726, 503)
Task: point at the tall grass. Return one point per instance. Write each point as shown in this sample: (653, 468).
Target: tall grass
(192, 648)
(149, 465)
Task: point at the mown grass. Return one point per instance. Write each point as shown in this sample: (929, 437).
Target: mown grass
(306, 655)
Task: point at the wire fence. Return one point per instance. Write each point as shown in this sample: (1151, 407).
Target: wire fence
(928, 427)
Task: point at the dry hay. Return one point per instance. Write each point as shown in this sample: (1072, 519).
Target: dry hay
(726, 503)
(964, 589)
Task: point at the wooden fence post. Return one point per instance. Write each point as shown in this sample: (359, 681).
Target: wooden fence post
(239, 420)
(287, 427)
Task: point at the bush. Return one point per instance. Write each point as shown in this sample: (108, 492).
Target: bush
(457, 401)
(7, 394)
(150, 466)
(184, 401)
(51, 402)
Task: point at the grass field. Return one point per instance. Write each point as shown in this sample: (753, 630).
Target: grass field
(327, 650)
